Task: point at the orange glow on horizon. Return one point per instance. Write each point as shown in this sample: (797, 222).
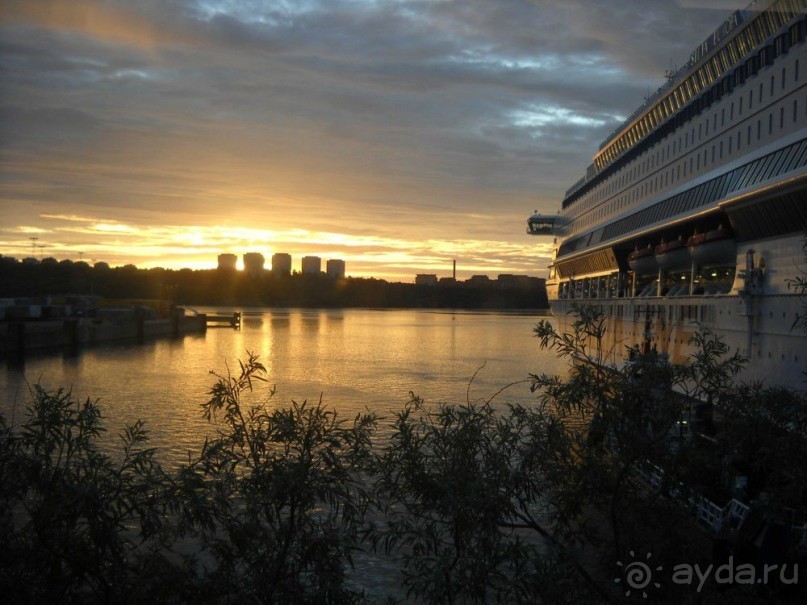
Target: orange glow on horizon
(198, 247)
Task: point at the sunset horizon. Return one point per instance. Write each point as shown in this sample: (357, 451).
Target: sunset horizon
(396, 136)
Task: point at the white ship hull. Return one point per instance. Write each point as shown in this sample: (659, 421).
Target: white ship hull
(721, 150)
(776, 354)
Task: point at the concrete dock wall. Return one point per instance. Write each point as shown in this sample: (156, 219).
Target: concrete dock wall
(19, 336)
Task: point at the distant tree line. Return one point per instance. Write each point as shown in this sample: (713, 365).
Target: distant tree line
(217, 287)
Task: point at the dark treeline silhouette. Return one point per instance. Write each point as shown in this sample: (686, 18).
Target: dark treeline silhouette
(215, 287)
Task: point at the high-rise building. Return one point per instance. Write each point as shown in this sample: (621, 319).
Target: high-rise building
(281, 263)
(227, 262)
(312, 265)
(335, 268)
(253, 263)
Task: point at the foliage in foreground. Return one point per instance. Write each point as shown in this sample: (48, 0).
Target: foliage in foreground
(462, 489)
(73, 519)
(645, 452)
(477, 502)
(268, 512)
(276, 500)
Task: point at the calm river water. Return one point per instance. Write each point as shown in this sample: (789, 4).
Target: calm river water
(356, 359)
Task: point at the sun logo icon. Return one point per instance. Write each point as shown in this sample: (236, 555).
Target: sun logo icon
(637, 575)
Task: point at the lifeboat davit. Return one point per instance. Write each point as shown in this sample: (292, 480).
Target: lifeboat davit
(715, 247)
(673, 255)
(643, 262)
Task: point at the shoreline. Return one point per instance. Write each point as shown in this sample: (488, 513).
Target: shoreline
(26, 336)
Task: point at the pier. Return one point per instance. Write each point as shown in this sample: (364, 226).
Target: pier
(221, 321)
(28, 326)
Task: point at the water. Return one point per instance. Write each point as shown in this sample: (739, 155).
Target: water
(356, 359)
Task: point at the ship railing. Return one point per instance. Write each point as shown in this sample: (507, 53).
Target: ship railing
(737, 19)
(709, 515)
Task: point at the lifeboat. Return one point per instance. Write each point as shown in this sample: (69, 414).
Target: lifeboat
(673, 255)
(715, 247)
(643, 262)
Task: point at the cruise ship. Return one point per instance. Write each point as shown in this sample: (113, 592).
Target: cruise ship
(693, 212)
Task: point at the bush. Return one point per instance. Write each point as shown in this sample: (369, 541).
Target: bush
(74, 520)
(269, 510)
(461, 487)
(275, 501)
(479, 503)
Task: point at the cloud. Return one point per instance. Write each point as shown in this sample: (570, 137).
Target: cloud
(69, 217)
(410, 121)
(27, 229)
(114, 22)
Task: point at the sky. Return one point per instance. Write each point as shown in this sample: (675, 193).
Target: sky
(397, 135)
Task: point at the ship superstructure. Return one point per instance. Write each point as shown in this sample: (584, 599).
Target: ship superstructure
(693, 212)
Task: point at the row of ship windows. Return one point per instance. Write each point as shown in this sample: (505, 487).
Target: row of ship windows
(678, 312)
(719, 151)
(627, 146)
(707, 76)
(689, 138)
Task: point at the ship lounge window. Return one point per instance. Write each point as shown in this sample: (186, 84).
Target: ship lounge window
(781, 44)
(751, 99)
(784, 80)
(796, 71)
(770, 123)
(773, 78)
(781, 117)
